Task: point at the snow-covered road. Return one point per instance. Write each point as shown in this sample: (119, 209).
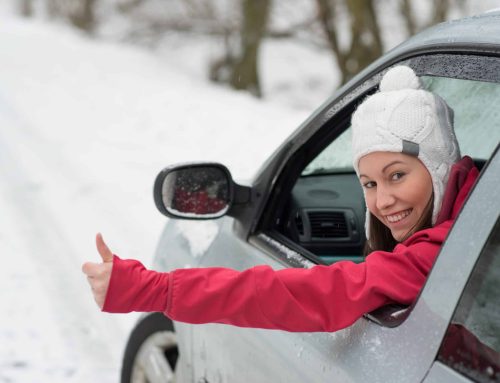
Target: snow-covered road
(50, 329)
(84, 128)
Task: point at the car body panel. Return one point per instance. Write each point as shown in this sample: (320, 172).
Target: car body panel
(228, 354)
(441, 373)
(365, 351)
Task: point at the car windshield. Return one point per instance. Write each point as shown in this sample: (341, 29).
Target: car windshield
(336, 158)
(477, 118)
(476, 124)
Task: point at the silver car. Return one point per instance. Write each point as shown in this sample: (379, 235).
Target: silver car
(305, 207)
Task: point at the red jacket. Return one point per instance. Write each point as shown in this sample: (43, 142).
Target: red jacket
(322, 298)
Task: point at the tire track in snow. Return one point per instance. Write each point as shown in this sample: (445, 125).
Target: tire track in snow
(90, 337)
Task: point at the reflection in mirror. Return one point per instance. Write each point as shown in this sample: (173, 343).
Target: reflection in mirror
(202, 191)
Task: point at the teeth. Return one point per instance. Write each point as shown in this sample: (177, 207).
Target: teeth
(398, 217)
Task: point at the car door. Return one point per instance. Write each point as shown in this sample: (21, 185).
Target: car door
(385, 348)
(470, 350)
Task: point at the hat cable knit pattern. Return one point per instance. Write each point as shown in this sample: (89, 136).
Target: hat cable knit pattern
(405, 118)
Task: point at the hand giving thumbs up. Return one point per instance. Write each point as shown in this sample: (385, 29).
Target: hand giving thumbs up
(98, 274)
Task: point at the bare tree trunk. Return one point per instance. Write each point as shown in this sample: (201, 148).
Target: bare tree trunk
(326, 15)
(129, 5)
(53, 9)
(80, 13)
(244, 74)
(407, 13)
(366, 42)
(220, 69)
(26, 8)
(440, 11)
(83, 16)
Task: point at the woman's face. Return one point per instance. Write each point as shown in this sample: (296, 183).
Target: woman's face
(397, 188)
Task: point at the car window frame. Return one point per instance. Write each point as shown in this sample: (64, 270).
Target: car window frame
(331, 120)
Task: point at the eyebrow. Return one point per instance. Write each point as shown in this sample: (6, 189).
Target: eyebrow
(385, 167)
(390, 164)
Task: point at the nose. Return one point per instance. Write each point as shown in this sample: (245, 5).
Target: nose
(385, 197)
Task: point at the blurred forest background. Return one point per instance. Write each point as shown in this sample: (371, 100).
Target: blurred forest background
(96, 96)
(355, 32)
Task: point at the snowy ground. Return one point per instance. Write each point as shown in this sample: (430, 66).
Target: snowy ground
(84, 128)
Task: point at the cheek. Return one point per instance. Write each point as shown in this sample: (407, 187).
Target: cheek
(420, 194)
(370, 201)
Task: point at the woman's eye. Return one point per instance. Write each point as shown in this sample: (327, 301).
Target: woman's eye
(369, 185)
(397, 176)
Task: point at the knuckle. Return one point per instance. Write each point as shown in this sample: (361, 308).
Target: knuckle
(99, 289)
(85, 268)
(105, 271)
(101, 273)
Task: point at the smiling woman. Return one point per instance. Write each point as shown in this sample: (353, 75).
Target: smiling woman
(404, 145)
(398, 192)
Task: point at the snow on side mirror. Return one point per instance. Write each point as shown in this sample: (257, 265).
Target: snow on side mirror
(194, 191)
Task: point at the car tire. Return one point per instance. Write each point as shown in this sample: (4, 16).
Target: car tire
(151, 353)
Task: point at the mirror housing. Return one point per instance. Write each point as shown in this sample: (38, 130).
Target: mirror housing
(197, 191)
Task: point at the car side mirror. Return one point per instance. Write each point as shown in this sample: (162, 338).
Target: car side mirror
(195, 191)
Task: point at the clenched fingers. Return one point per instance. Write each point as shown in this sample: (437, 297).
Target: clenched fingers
(98, 276)
(91, 269)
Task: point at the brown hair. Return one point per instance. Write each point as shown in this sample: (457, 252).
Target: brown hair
(381, 237)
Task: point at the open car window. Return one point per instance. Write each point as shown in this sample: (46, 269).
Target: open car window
(325, 211)
(476, 117)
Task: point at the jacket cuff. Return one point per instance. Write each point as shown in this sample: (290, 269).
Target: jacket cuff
(132, 287)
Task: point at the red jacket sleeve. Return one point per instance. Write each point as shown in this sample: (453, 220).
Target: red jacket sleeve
(134, 288)
(322, 298)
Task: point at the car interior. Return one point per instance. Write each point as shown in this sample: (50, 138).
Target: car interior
(324, 213)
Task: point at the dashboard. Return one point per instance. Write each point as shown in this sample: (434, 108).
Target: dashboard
(326, 216)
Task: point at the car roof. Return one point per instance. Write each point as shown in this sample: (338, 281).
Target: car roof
(475, 30)
(479, 34)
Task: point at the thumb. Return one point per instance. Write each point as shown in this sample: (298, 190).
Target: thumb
(103, 249)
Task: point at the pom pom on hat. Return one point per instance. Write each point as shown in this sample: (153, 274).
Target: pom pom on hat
(404, 118)
(398, 78)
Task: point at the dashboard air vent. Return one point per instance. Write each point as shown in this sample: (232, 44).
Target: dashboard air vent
(328, 224)
(299, 224)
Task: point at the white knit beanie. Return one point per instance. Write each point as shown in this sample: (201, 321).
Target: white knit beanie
(404, 118)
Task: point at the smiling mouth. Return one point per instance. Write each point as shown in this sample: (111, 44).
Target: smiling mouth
(394, 218)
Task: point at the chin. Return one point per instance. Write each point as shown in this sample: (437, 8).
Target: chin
(400, 236)
(397, 236)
